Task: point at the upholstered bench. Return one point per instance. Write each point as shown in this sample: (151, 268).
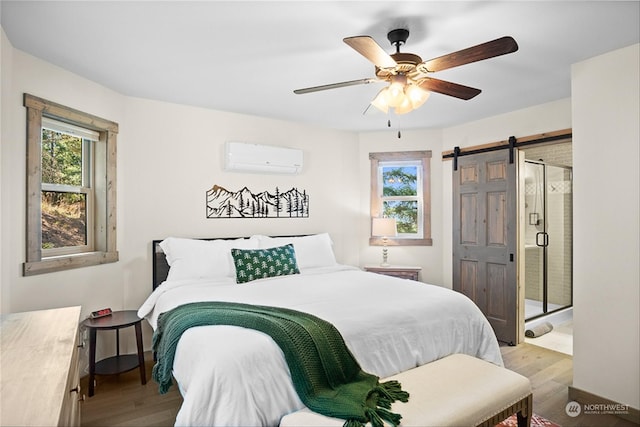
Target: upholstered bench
(457, 390)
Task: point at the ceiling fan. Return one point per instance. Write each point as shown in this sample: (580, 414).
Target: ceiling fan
(408, 74)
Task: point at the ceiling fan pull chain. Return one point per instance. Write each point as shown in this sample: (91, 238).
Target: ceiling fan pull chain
(389, 125)
(398, 126)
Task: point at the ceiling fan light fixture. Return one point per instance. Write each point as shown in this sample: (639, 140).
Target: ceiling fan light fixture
(395, 92)
(405, 107)
(394, 96)
(416, 95)
(380, 101)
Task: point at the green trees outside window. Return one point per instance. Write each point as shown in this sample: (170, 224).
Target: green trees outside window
(400, 197)
(64, 200)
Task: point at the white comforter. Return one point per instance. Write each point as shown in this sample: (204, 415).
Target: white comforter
(234, 376)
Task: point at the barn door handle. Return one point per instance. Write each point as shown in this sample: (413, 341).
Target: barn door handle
(545, 239)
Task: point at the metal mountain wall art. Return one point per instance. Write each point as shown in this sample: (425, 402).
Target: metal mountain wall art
(222, 203)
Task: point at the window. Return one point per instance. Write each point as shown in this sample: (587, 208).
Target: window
(67, 196)
(400, 189)
(71, 192)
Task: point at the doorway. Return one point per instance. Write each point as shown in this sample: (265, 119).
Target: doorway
(548, 238)
(475, 224)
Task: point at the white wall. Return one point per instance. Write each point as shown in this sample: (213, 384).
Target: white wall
(173, 154)
(606, 259)
(5, 66)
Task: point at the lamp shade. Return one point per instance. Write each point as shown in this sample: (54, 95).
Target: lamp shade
(380, 101)
(383, 227)
(395, 92)
(417, 96)
(405, 107)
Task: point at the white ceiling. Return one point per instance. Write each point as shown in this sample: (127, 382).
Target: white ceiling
(248, 57)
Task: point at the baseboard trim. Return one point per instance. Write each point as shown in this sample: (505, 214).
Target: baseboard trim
(615, 408)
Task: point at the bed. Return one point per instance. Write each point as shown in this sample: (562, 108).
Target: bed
(230, 375)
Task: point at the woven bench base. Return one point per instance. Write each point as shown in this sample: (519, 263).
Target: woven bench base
(524, 409)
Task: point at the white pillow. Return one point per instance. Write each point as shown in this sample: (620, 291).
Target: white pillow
(202, 259)
(311, 251)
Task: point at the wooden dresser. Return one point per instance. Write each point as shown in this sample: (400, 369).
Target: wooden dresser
(40, 381)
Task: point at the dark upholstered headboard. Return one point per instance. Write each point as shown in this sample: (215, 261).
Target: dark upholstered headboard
(159, 265)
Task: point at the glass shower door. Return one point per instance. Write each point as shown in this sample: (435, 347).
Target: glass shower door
(559, 253)
(548, 238)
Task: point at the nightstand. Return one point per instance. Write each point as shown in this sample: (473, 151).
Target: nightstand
(120, 362)
(401, 271)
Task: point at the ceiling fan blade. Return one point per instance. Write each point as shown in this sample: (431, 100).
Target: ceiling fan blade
(448, 88)
(480, 52)
(371, 50)
(336, 85)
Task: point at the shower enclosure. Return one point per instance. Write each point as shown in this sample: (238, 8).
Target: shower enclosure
(548, 238)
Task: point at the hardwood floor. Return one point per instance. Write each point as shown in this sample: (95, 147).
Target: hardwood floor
(551, 373)
(120, 400)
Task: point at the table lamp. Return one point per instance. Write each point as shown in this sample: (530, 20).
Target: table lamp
(385, 228)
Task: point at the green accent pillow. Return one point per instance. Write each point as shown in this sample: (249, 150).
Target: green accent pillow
(253, 264)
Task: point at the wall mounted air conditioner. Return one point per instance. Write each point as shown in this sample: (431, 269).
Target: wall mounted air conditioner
(246, 157)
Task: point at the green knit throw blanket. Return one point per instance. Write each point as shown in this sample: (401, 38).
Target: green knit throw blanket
(325, 374)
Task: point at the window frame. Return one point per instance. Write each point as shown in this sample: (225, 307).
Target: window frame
(376, 209)
(103, 215)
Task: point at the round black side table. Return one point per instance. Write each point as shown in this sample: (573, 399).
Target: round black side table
(120, 362)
